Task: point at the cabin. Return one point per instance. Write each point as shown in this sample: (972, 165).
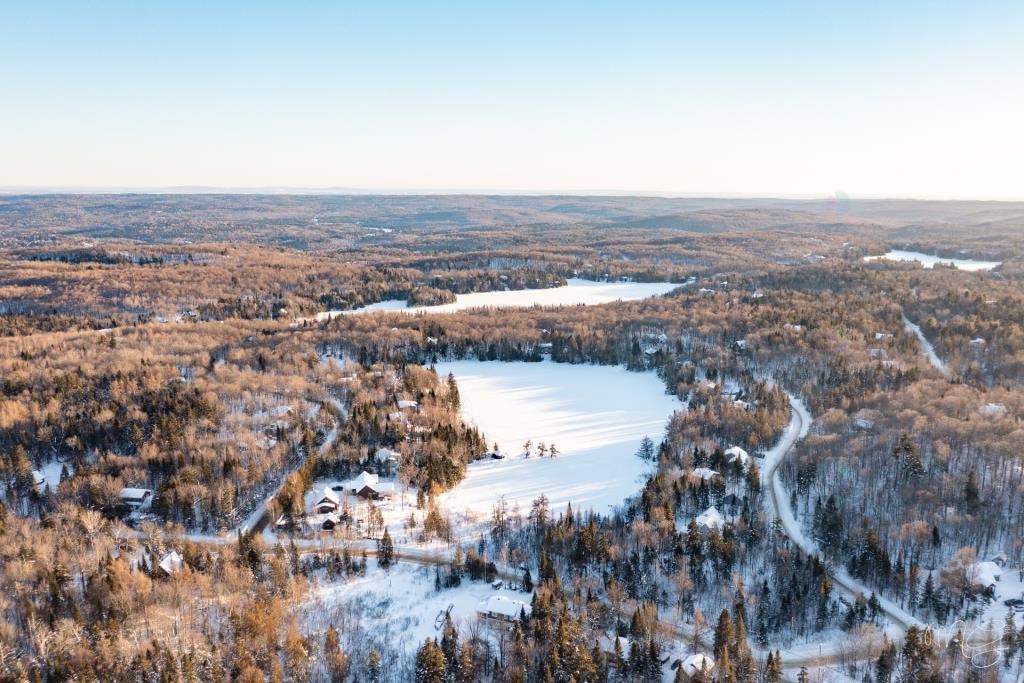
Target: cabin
(986, 575)
(378, 491)
(500, 611)
(737, 454)
(136, 499)
(171, 563)
(331, 521)
(697, 664)
(404, 405)
(710, 519)
(328, 503)
(705, 473)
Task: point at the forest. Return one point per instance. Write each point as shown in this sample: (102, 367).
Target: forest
(141, 351)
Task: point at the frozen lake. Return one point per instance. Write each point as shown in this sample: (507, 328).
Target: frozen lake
(929, 261)
(595, 415)
(576, 292)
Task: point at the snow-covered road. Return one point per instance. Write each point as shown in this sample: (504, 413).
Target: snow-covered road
(798, 427)
(926, 347)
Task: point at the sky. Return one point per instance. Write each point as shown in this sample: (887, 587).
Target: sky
(906, 99)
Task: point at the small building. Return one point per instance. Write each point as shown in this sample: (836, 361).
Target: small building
(992, 409)
(986, 574)
(710, 519)
(378, 491)
(171, 563)
(977, 341)
(135, 498)
(38, 481)
(697, 664)
(403, 405)
(705, 473)
(328, 503)
(501, 611)
(737, 454)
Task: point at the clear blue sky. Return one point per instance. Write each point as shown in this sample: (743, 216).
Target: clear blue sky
(895, 99)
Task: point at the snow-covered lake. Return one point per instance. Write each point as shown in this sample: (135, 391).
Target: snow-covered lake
(929, 261)
(576, 292)
(595, 415)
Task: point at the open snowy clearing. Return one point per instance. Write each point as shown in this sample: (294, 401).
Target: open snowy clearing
(929, 261)
(576, 292)
(398, 607)
(595, 415)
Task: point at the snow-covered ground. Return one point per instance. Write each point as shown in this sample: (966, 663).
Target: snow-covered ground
(577, 291)
(595, 415)
(398, 607)
(929, 261)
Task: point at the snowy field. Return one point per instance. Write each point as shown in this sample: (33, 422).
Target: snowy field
(929, 261)
(397, 607)
(576, 292)
(595, 415)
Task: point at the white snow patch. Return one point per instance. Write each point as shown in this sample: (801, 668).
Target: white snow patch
(595, 415)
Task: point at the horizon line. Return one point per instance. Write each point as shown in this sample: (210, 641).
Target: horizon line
(299, 190)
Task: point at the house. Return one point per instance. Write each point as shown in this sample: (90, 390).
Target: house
(403, 405)
(737, 454)
(136, 499)
(377, 491)
(364, 479)
(986, 574)
(500, 611)
(705, 473)
(711, 519)
(696, 664)
(992, 409)
(328, 503)
(171, 563)
(332, 520)
(977, 341)
(863, 424)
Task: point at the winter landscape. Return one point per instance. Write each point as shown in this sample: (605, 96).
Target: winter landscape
(511, 343)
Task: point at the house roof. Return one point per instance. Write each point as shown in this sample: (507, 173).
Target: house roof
(171, 562)
(711, 518)
(329, 496)
(129, 493)
(736, 453)
(505, 606)
(705, 472)
(696, 663)
(987, 573)
(364, 479)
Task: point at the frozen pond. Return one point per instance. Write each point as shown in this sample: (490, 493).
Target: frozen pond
(595, 415)
(577, 291)
(928, 261)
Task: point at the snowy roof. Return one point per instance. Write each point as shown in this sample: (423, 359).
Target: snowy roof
(992, 409)
(987, 573)
(384, 454)
(364, 479)
(705, 472)
(408, 404)
(38, 479)
(977, 341)
(329, 496)
(711, 518)
(736, 453)
(129, 493)
(694, 664)
(171, 562)
(507, 607)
